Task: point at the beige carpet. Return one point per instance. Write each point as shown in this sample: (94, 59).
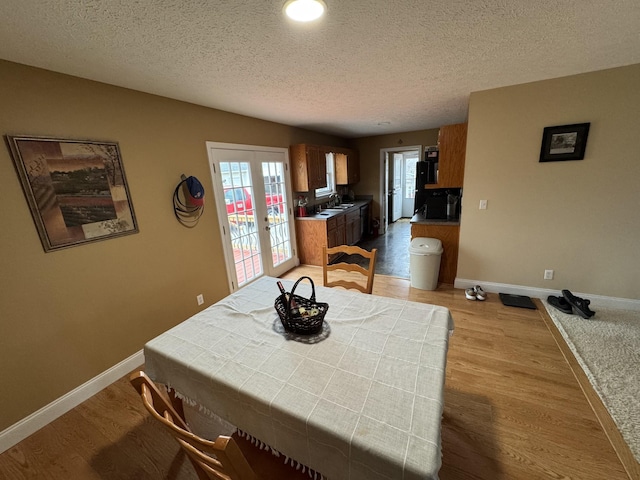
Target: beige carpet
(607, 346)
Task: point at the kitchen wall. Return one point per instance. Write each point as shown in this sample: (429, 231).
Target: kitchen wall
(369, 150)
(579, 218)
(67, 316)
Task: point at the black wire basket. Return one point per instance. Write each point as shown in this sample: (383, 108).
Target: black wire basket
(299, 314)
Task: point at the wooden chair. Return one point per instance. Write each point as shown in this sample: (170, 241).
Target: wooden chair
(351, 282)
(226, 458)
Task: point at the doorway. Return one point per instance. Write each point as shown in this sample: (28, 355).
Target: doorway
(252, 195)
(397, 189)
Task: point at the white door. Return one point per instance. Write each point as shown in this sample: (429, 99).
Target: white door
(386, 170)
(409, 183)
(252, 193)
(396, 192)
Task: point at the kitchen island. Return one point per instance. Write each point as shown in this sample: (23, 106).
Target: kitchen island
(448, 232)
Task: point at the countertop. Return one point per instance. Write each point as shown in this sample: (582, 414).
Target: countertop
(328, 213)
(419, 219)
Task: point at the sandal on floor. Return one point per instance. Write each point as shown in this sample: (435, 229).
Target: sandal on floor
(580, 304)
(475, 293)
(560, 303)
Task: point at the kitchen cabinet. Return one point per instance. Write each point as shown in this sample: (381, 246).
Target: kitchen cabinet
(338, 229)
(308, 167)
(347, 166)
(452, 145)
(336, 232)
(313, 235)
(448, 235)
(353, 227)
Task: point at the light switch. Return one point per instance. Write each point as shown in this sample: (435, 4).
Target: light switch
(483, 204)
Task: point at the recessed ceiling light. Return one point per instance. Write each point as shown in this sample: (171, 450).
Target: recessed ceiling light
(304, 10)
(384, 124)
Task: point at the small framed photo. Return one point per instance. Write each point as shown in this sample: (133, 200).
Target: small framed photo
(565, 142)
(76, 189)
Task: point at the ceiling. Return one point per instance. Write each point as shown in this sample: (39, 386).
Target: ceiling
(367, 68)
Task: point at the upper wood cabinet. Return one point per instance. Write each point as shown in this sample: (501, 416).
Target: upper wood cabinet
(347, 166)
(452, 143)
(308, 167)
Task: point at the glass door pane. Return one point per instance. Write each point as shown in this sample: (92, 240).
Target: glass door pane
(410, 159)
(241, 215)
(396, 193)
(277, 209)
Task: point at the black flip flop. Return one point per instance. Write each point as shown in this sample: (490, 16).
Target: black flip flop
(580, 304)
(560, 303)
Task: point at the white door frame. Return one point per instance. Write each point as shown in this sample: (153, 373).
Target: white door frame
(221, 205)
(384, 180)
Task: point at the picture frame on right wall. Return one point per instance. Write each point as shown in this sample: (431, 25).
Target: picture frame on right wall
(564, 142)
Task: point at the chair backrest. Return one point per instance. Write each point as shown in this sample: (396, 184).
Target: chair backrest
(351, 280)
(221, 459)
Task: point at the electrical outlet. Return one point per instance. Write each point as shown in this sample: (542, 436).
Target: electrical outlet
(200, 299)
(483, 205)
(548, 274)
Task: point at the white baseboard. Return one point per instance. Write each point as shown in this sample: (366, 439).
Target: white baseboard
(34, 422)
(596, 300)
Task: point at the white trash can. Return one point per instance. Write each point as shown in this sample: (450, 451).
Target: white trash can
(424, 262)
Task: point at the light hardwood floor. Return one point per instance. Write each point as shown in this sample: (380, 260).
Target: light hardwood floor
(513, 410)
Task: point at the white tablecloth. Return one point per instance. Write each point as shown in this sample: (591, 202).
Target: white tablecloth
(365, 403)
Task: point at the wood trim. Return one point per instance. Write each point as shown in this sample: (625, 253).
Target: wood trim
(610, 428)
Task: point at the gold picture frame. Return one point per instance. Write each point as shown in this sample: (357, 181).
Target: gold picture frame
(76, 189)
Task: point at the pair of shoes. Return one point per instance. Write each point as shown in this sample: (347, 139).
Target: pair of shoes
(475, 293)
(560, 303)
(581, 305)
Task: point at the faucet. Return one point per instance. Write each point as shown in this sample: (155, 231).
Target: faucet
(332, 199)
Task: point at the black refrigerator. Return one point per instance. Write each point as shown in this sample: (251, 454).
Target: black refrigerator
(426, 174)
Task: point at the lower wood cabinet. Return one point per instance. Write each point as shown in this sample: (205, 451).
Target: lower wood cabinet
(312, 235)
(449, 236)
(336, 232)
(353, 227)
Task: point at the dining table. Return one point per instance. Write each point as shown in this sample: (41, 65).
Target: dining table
(362, 399)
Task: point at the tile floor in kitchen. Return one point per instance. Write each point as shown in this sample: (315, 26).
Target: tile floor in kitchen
(393, 249)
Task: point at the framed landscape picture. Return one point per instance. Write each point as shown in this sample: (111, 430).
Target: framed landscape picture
(76, 189)
(565, 142)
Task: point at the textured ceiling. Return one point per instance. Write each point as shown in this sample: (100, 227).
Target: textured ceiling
(411, 63)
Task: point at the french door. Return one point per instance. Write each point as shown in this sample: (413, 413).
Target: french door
(253, 200)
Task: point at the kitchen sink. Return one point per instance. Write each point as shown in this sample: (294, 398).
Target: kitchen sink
(341, 207)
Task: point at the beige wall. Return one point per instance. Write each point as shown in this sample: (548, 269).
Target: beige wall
(579, 218)
(369, 150)
(68, 315)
